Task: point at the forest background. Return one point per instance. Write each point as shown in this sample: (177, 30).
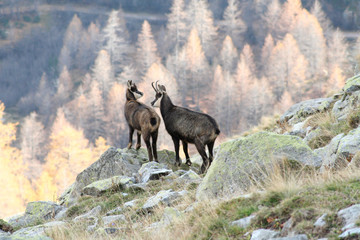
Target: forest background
(64, 67)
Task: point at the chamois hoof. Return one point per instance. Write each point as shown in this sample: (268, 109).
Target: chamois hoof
(188, 162)
(177, 164)
(129, 146)
(138, 147)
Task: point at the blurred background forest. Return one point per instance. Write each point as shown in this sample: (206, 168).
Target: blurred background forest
(64, 67)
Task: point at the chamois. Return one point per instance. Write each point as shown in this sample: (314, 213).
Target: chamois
(141, 118)
(187, 126)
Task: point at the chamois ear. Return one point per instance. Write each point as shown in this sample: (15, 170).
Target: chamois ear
(162, 88)
(129, 84)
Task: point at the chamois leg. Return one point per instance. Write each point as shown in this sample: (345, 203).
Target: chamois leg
(138, 144)
(148, 146)
(131, 132)
(176, 145)
(211, 148)
(185, 148)
(154, 136)
(201, 149)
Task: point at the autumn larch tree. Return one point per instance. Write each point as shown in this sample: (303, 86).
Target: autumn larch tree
(33, 142)
(199, 16)
(68, 156)
(115, 40)
(146, 49)
(228, 55)
(232, 24)
(102, 72)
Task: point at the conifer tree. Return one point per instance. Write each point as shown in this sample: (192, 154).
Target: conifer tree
(115, 40)
(200, 17)
(228, 55)
(146, 49)
(232, 24)
(176, 27)
(102, 72)
(33, 141)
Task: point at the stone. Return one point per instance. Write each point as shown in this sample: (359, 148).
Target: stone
(114, 183)
(296, 237)
(300, 111)
(350, 232)
(137, 187)
(189, 177)
(243, 222)
(93, 224)
(264, 234)
(169, 215)
(92, 213)
(153, 171)
(349, 215)
(115, 211)
(113, 162)
(131, 204)
(241, 161)
(286, 230)
(329, 152)
(320, 222)
(166, 197)
(109, 220)
(36, 213)
(61, 214)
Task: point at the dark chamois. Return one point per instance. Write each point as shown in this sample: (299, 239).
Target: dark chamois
(187, 126)
(141, 118)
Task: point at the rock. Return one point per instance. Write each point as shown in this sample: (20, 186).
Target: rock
(350, 232)
(61, 214)
(243, 222)
(341, 150)
(166, 197)
(286, 230)
(5, 226)
(114, 162)
(29, 233)
(169, 215)
(137, 187)
(298, 130)
(329, 152)
(320, 222)
(115, 211)
(35, 213)
(239, 162)
(153, 171)
(99, 187)
(296, 237)
(4, 235)
(349, 215)
(93, 225)
(92, 213)
(347, 104)
(109, 220)
(189, 177)
(263, 234)
(131, 204)
(300, 111)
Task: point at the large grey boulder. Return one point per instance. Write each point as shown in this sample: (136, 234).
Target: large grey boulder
(33, 233)
(91, 214)
(239, 162)
(300, 111)
(113, 162)
(101, 186)
(329, 152)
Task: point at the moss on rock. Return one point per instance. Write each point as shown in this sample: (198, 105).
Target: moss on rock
(243, 161)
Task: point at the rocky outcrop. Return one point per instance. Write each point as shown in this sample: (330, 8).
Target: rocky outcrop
(101, 186)
(241, 161)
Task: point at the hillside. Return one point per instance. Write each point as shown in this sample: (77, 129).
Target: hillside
(296, 179)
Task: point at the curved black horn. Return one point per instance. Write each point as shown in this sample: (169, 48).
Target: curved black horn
(156, 85)
(152, 84)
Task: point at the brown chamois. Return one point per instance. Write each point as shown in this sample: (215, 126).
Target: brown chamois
(141, 118)
(187, 126)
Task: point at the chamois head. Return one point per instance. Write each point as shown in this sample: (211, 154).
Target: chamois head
(132, 88)
(159, 93)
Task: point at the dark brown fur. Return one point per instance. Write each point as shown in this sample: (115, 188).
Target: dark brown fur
(143, 119)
